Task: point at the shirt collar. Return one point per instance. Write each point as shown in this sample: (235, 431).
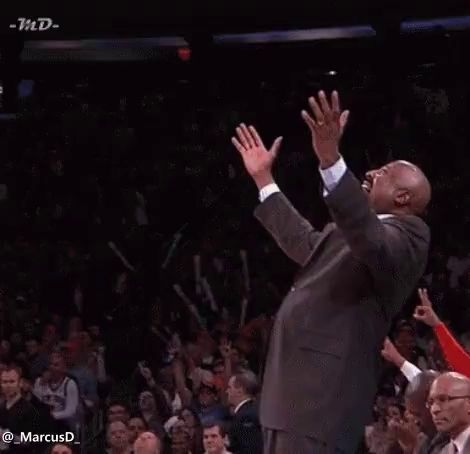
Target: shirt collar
(384, 216)
(243, 402)
(462, 439)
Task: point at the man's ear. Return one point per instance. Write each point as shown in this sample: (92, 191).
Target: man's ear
(402, 197)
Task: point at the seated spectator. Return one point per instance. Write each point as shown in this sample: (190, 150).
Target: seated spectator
(213, 437)
(117, 437)
(449, 404)
(147, 443)
(416, 432)
(245, 432)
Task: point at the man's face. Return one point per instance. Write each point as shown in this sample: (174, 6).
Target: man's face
(380, 188)
(118, 436)
(117, 413)
(57, 366)
(213, 440)
(449, 415)
(147, 443)
(10, 383)
(179, 438)
(207, 396)
(135, 426)
(61, 449)
(233, 392)
(32, 347)
(146, 401)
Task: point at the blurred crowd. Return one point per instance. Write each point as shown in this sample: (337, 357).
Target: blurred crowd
(137, 291)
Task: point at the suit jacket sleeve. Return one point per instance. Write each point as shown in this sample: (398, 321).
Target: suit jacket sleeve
(384, 247)
(293, 233)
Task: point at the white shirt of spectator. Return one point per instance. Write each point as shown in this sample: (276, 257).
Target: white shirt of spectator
(462, 440)
(63, 399)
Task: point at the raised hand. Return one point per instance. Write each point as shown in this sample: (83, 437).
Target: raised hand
(257, 159)
(391, 354)
(326, 127)
(424, 312)
(225, 349)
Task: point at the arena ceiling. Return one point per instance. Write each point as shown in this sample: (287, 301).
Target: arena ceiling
(81, 19)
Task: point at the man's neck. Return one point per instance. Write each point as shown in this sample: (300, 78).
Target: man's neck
(458, 431)
(10, 401)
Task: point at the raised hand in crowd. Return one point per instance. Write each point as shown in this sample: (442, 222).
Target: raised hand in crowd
(257, 159)
(391, 354)
(326, 127)
(424, 311)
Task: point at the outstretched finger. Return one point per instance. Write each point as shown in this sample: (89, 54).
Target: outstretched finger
(335, 103)
(275, 147)
(256, 137)
(319, 117)
(423, 296)
(327, 112)
(247, 135)
(308, 120)
(241, 137)
(238, 146)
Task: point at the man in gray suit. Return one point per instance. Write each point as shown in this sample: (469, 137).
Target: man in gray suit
(324, 356)
(449, 403)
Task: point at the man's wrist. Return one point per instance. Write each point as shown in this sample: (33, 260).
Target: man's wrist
(263, 180)
(330, 160)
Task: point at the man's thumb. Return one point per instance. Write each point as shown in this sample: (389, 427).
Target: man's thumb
(276, 145)
(343, 119)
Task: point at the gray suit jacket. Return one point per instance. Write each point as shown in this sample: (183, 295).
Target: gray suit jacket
(324, 355)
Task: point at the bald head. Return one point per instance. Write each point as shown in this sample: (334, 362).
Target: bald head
(398, 187)
(410, 177)
(449, 402)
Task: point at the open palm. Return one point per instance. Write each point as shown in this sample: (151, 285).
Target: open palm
(257, 159)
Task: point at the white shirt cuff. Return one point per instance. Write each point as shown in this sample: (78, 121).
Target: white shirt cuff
(267, 191)
(410, 371)
(332, 175)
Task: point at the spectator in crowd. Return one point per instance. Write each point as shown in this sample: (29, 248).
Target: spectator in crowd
(180, 439)
(245, 432)
(194, 427)
(60, 393)
(147, 443)
(423, 440)
(214, 438)
(117, 436)
(149, 412)
(17, 415)
(449, 403)
(37, 359)
(136, 426)
(456, 356)
(60, 448)
(117, 411)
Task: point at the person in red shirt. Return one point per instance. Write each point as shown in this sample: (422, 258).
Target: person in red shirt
(455, 354)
